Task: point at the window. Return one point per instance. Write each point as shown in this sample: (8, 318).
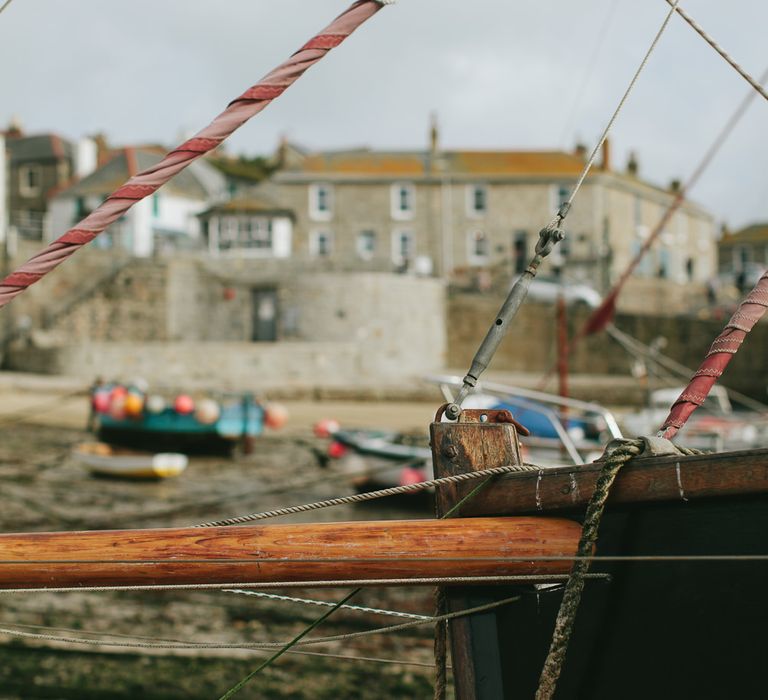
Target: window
(479, 248)
(29, 180)
(520, 250)
(403, 201)
(366, 244)
(402, 247)
(245, 233)
(321, 243)
(320, 202)
(560, 194)
(477, 200)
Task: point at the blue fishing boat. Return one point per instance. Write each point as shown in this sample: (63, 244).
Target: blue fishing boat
(128, 415)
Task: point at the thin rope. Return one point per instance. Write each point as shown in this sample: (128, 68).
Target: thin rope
(609, 126)
(587, 77)
(327, 603)
(145, 183)
(302, 652)
(157, 643)
(335, 583)
(5, 5)
(723, 53)
(371, 495)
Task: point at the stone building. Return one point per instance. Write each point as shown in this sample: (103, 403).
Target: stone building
(165, 221)
(37, 166)
(742, 256)
(454, 213)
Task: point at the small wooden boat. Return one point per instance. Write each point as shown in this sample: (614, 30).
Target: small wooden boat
(124, 415)
(108, 460)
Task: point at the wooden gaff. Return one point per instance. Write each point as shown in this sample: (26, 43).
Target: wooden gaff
(407, 549)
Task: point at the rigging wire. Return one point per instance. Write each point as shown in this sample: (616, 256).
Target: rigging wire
(5, 5)
(587, 77)
(327, 603)
(619, 107)
(154, 643)
(336, 583)
(302, 652)
(720, 50)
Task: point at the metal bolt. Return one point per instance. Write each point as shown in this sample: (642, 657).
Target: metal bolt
(483, 417)
(450, 451)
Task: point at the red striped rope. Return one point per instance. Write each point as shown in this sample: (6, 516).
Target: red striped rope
(143, 184)
(723, 348)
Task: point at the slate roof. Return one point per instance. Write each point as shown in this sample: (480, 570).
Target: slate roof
(198, 181)
(39, 147)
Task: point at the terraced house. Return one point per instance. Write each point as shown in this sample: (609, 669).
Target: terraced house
(452, 212)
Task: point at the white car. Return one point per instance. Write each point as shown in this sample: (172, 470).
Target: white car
(547, 290)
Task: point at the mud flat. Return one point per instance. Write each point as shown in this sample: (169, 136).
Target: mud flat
(43, 488)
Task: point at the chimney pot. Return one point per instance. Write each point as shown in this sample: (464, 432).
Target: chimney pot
(606, 153)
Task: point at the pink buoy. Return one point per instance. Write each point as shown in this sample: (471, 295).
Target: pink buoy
(275, 416)
(100, 401)
(184, 404)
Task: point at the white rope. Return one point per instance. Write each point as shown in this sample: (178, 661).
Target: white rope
(728, 59)
(618, 109)
(328, 604)
(371, 495)
(5, 5)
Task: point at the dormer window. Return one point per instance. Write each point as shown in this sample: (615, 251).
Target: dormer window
(320, 202)
(403, 198)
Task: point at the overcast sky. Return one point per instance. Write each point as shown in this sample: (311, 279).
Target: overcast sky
(499, 74)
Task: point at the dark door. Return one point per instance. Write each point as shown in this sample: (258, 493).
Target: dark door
(264, 315)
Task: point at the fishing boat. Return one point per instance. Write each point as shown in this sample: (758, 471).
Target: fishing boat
(108, 460)
(128, 415)
(554, 430)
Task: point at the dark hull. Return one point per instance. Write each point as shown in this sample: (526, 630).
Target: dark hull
(679, 629)
(208, 443)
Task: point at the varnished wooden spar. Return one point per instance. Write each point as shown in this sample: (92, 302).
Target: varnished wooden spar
(643, 480)
(291, 553)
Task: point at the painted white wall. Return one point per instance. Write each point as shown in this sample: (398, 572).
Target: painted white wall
(61, 212)
(139, 223)
(282, 232)
(86, 157)
(178, 214)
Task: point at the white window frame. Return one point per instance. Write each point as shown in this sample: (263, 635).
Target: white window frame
(399, 214)
(314, 242)
(470, 190)
(315, 213)
(362, 252)
(472, 256)
(396, 248)
(24, 188)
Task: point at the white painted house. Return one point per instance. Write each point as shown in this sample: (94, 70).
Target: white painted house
(165, 221)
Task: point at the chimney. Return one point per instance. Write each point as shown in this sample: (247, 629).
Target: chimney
(606, 151)
(675, 186)
(281, 157)
(632, 164)
(580, 151)
(434, 134)
(14, 130)
(86, 156)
